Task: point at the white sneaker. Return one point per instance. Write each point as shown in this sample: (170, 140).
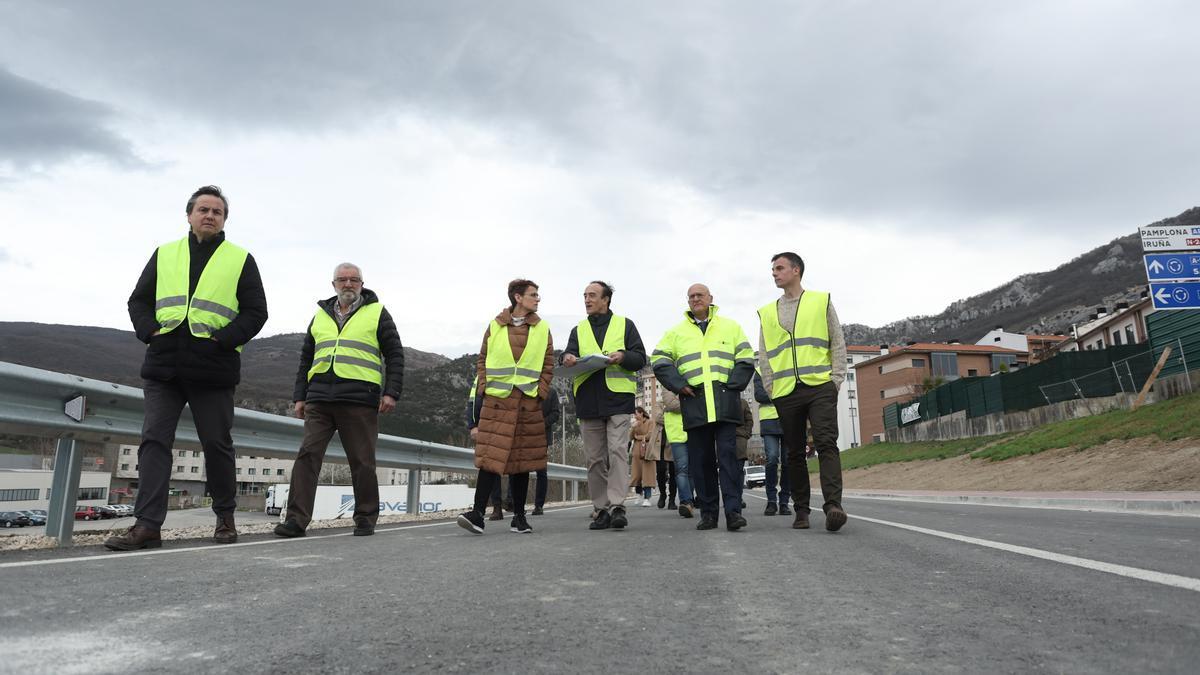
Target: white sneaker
(645, 502)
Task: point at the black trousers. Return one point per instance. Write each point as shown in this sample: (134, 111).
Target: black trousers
(488, 481)
(666, 477)
(539, 493)
(357, 426)
(212, 412)
(714, 468)
(816, 406)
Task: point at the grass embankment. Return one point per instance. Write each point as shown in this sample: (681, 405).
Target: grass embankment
(1166, 421)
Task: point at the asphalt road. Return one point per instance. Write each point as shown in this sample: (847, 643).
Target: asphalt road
(1019, 589)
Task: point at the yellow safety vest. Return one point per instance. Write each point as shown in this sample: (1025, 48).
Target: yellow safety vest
(673, 424)
(618, 379)
(802, 354)
(214, 304)
(766, 411)
(704, 358)
(352, 352)
(504, 373)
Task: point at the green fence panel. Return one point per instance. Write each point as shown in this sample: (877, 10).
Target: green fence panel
(1174, 328)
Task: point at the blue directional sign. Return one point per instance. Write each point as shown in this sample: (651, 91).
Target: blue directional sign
(1176, 295)
(1172, 266)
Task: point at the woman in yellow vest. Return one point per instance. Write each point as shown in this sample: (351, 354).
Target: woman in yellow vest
(514, 370)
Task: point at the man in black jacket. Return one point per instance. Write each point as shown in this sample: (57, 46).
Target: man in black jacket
(196, 303)
(604, 413)
(351, 370)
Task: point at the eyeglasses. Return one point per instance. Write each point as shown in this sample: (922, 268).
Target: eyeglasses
(343, 280)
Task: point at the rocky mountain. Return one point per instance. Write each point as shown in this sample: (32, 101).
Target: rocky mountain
(1044, 303)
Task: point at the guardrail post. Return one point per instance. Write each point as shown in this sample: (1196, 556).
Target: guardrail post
(574, 490)
(64, 487)
(414, 491)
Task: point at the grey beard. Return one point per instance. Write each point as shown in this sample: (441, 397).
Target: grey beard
(348, 297)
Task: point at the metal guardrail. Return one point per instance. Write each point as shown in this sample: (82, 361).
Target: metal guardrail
(35, 402)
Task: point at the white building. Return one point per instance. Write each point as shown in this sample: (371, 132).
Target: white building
(849, 428)
(1125, 325)
(22, 489)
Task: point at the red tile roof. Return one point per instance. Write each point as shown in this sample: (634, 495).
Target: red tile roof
(928, 347)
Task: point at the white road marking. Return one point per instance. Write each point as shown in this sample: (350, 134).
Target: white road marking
(1163, 578)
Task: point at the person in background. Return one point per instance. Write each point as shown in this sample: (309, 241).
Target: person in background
(643, 459)
(778, 486)
(677, 438)
(665, 466)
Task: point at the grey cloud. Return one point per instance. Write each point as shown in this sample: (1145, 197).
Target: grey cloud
(42, 127)
(922, 113)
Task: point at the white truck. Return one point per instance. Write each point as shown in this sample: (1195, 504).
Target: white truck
(337, 501)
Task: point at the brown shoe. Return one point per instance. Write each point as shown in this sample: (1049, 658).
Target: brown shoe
(497, 514)
(225, 533)
(801, 521)
(137, 537)
(835, 518)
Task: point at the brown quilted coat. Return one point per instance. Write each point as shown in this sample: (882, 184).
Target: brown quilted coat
(512, 433)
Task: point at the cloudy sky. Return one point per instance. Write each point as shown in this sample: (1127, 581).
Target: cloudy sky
(448, 147)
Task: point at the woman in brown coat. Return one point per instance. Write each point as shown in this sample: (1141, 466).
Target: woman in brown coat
(511, 436)
(643, 463)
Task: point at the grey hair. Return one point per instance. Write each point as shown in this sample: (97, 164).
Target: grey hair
(345, 265)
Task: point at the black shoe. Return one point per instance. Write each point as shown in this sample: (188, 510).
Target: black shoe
(507, 504)
(363, 529)
(784, 510)
(618, 518)
(685, 509)
(537, 511)
(225, 533)
(771, 509)
(135, 538)
(662, 500)
(289, 528)
(671, 504)
(520, 525)
(743, 501)
(601, 521)
(472, 521)
(835, 518)
(706, 523)
(734, 521)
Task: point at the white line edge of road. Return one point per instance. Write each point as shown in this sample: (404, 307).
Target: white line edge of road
(125, 555)
(1163, 578)
(1082, 505)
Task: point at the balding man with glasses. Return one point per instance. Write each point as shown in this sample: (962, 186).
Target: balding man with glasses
(197, 302)
(351, 371)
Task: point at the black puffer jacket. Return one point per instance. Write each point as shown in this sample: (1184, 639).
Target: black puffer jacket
(178, 354)
(327, 387)
(594, 400)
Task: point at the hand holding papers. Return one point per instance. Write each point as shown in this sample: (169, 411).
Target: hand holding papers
(582, 366)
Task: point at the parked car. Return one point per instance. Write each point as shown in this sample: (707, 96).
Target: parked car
(36, 517)
(14, 519)
(87, 513)
(123, 509)
(107, 511)
(756, 476)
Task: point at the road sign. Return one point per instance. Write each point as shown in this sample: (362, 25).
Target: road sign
(1172, 266)
(1170, 237)
(1176, 295)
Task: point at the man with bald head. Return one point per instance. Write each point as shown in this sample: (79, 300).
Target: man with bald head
(707, 360)
(351, 370)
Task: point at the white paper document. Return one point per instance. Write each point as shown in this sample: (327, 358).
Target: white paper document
(583, 366)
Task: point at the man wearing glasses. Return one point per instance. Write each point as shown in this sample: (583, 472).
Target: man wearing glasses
(351, 370)
(197, 302)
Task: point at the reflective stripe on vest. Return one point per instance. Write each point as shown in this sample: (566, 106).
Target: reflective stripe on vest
(704, 358)
(353, 352)
(802, 354)
(214, 304)
(504, 373)
(618, 379)
(673, 424)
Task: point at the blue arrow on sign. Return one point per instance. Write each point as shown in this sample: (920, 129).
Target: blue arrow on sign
(1172, 266)
(1177, 295)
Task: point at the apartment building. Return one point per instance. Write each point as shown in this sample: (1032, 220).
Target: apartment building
(849, 420)
(1125, 325)
(900, 374)
(1039, 347)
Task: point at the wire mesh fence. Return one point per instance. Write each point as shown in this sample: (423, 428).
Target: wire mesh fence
(1128, 376)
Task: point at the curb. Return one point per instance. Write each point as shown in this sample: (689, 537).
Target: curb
(1148, 504)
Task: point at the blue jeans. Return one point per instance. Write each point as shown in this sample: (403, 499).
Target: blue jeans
(679, 451)
(777, 472)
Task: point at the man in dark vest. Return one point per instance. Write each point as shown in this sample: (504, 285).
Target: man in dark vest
(197, 302)
(351, 370)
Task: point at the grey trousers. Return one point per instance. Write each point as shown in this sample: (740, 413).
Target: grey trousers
(605, 448)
